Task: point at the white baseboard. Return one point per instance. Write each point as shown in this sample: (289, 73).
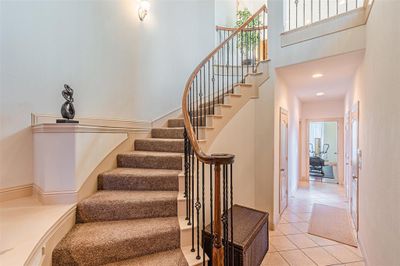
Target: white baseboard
(16, 192)
(55, 197)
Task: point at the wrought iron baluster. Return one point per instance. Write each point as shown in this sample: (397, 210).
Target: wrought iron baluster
(186, 163)
(197, 206)
(227, 68)
(209, 88)
(192, 203)
(327, 8)
(312, 10)
(337, 7)
(232, 63)
(213, 86)
(289, 11)
(319, 10)
(203, 207)
(241, 52)
(231, 196)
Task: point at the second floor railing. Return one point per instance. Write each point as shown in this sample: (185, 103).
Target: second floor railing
(300, 13)
(209, 188)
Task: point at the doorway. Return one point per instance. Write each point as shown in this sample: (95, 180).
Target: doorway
(283, 161)
(323, 151)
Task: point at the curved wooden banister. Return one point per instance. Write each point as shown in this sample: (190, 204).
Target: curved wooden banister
(223, 28)
(211, 81)
(203, 157)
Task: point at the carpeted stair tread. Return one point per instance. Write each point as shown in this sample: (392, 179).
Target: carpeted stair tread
(149, 159)
(167, 133)
(139, 179)
(173, 257)
(161, 145)
(106, 242)
(177, 122)
(108, 205)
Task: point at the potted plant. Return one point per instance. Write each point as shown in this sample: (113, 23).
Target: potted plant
(248, 40)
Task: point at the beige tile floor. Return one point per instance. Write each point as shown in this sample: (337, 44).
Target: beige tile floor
(290, 244)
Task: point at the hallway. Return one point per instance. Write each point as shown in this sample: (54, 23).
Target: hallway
(291, 245)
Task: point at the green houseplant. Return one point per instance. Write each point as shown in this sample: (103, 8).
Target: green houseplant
(248, 40)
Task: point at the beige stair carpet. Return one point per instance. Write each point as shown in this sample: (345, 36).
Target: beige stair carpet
(332, 223)
(132, 218)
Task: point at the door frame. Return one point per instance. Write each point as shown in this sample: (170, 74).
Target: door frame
(283, 113)
(355, 170)
(339, 148)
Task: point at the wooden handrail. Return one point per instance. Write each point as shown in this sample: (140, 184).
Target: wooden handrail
(195, 93)
(223, 28)
(201, 155)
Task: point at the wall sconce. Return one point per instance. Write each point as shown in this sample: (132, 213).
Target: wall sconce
(143, 9)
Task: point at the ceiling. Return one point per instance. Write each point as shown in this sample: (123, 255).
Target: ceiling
(338, 73)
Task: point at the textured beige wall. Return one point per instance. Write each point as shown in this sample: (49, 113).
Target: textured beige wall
(376, 86)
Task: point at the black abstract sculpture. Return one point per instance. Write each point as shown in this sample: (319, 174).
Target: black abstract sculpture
(67, 109)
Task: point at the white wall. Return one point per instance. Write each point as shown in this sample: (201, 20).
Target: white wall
(323, 109)
(376, 86)
(119, 67)
(241, 143)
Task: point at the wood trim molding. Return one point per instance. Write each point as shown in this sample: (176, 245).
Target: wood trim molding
(16, 192)
(43, 249)
(162, 120)
(47, 124)
(81, 128)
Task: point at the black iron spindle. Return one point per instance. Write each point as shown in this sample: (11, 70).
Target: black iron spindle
(203, 206)
(232, 65)
(327, 8)
(304, 12)
(231, 222)
(192, 203)
(197, 205)
(337, 7)
(211, 207)
(319, 13)
(264, 39)
(241, 53)
(213, 86)
(297, 4)
(312, 10)
(227, 68)
(209, 87)
(289, 11)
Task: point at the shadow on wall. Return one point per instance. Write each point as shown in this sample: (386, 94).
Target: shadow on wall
(16, 163)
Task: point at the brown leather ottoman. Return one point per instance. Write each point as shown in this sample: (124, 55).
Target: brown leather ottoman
(250, 236)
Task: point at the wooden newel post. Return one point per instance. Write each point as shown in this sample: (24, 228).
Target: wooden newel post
(218, 250)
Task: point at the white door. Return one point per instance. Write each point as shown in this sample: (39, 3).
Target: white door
(283, 162)
(354, 184)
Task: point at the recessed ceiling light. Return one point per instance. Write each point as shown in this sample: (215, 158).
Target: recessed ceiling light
(320, 94)
(317, 75)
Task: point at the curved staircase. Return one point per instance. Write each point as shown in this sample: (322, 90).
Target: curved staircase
(152, 209)
(133, 218)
